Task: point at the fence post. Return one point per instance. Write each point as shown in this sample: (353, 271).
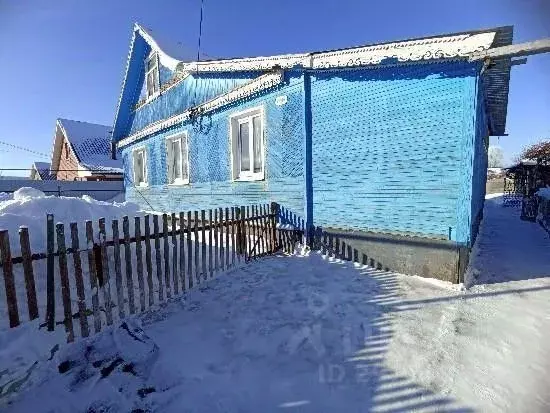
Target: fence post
(182, 252)
(65, 288)
(216, 239)
(139, 262)
(237, 225)
(203, 245)
(93, 275)
(158, 261)
(233, 247)
(197, 273)
(118, 270)
(210, 249)
(7, 266)
(275, 209)
(148, 262)
(226, 226)
(128, 262)
(189, 251)
(50, 279)
(166, 253)
(242, 231)
(174, 254)
(84, 329)
(26, 254)
(105, 272)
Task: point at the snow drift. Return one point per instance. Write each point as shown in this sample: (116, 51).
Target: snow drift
(29, 207)
(116, 364)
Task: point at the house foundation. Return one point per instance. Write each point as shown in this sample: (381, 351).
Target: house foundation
(431, 258)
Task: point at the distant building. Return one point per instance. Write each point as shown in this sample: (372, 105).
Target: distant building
(40, 171)
(82, 152)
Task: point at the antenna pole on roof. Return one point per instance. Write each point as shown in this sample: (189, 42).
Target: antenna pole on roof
(200, 34)
(198, 52)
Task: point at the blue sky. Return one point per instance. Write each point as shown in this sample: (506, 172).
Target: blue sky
(66, 58)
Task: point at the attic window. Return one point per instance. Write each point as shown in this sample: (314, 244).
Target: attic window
(152, 74)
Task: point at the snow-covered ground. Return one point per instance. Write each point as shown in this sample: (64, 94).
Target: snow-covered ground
(306, 333)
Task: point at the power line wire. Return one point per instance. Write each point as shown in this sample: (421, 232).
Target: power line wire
(21, 148)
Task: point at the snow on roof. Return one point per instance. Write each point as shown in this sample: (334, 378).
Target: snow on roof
(91, 143)
(170, 53)
(425, 48)
(41, 165)
(42, 169)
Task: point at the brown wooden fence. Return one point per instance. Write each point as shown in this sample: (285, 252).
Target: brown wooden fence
(166, 255)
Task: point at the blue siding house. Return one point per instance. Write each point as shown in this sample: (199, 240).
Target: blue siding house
(384, 144)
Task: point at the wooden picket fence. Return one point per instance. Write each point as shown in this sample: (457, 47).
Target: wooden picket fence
(195, 246)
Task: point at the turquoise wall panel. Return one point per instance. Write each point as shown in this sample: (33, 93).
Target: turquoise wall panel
(390, 149)
(193, 90)
(480, 161)
(209, 158)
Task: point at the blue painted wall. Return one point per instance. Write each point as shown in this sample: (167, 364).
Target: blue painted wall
(193, 90)
(397, 149)
(391, 149)
(209, 158)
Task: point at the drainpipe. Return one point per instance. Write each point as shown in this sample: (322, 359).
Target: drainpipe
(308, 174)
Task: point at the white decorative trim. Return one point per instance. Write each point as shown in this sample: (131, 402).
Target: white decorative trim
(257, 85)
(253, 63)
(260, 83)
(154, 127)
(415, 50)
(462, 45)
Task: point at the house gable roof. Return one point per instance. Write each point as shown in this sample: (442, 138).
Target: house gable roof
(425, 49)
(89, 142)
(43, 171)
(141, 44)
(454, 45)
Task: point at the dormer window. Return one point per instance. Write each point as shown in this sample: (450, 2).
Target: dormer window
(152, 74)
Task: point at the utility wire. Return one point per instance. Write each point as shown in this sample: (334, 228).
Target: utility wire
(21, 148)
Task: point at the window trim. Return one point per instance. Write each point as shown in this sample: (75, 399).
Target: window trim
(236, 119)
(173, 137)
(142, 149)
(153, 55)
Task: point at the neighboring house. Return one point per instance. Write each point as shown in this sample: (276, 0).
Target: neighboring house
(385, 145)
(40, 171)
(82, 152)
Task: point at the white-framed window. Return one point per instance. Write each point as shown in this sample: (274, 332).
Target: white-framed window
(139, 163)
(152, 74)
(177, 159)
(247, 144)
